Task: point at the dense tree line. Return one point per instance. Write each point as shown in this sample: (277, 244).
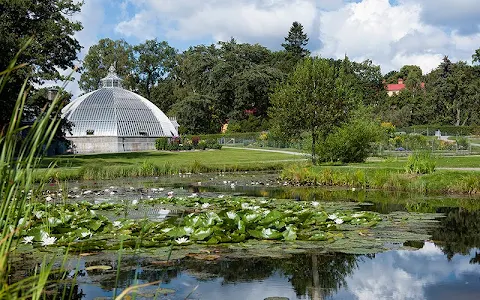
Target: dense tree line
(448, 95)
(207, 86)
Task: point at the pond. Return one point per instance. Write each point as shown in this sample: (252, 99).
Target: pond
(436, 256)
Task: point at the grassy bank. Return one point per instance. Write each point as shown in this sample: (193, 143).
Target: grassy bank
(386, 178)
(470, 161)
(156, 163)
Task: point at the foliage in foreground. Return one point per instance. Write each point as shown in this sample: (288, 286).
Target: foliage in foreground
(18, 159)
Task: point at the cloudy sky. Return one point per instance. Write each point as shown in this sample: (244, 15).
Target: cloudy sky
(390, 32)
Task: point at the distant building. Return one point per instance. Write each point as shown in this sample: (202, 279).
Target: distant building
(395, 88)
(112, 119)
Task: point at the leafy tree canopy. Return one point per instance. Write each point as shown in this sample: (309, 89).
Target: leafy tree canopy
(54, 45)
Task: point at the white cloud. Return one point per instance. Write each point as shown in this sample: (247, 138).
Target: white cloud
(407, 274)
(390, 35)
(246, 20)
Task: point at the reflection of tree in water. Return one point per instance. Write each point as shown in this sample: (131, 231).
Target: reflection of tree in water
(315, 275)
(458, 232)
(131, 268)
(319, 275)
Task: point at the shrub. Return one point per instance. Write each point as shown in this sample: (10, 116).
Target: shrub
(161, 143)
(352, 142)
(195, 141)
(420, 163)
(462, 143)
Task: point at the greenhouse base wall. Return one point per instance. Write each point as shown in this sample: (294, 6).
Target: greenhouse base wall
(82, 145)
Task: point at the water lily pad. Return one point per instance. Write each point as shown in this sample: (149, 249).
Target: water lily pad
(104, 268)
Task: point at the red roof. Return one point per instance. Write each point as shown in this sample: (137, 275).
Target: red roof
(393, 87)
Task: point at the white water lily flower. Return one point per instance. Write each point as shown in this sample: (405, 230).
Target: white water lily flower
(332, 216)
(48, 240)
(135, 202)
(221, 196)
(163, 211)
(28, 239)
(112, 193)
(315, 203)
(86, 233)
(267, 232)
(48, 199)
(245, 205)
(231, 215)
(205, 205)
(38, 214)
(338, 221)
(182, 240)
(117, 224)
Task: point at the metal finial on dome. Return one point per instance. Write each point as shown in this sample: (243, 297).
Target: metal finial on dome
(112, 79)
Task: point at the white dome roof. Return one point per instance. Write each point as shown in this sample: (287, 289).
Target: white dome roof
(114, 111)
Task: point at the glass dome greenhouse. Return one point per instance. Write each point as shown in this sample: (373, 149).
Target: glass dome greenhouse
(113, 119)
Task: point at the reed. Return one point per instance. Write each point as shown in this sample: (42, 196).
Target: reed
(18, 159)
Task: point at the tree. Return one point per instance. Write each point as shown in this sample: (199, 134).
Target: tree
(476, 56)
(296, 41)
(195, 115)
(452, 92)
(155, 60)
(54, 46)
(100, 57)
(312, 99)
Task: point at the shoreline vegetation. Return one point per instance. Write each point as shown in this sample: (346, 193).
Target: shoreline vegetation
(160, 163)
(449, 176)
(389, 179)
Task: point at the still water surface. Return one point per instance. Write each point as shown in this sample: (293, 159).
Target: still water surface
(445, 267)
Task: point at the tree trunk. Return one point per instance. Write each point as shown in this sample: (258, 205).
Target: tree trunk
(316, 288)
(457, 123)
(314, 141)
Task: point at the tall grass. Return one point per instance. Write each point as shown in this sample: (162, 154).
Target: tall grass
(146, 169)
(18, 159)
(444, 181)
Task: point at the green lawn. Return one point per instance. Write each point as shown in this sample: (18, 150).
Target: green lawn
(209, 157)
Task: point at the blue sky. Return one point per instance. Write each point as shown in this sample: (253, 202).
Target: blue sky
(390, 32)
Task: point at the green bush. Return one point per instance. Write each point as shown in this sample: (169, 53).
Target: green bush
(420, 163)
(352, 142)
(161, 143)
(462, 143)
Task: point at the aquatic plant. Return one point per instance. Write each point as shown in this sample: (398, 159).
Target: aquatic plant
(19, 156)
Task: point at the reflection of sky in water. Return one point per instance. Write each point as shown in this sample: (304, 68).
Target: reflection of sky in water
(421, 274)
